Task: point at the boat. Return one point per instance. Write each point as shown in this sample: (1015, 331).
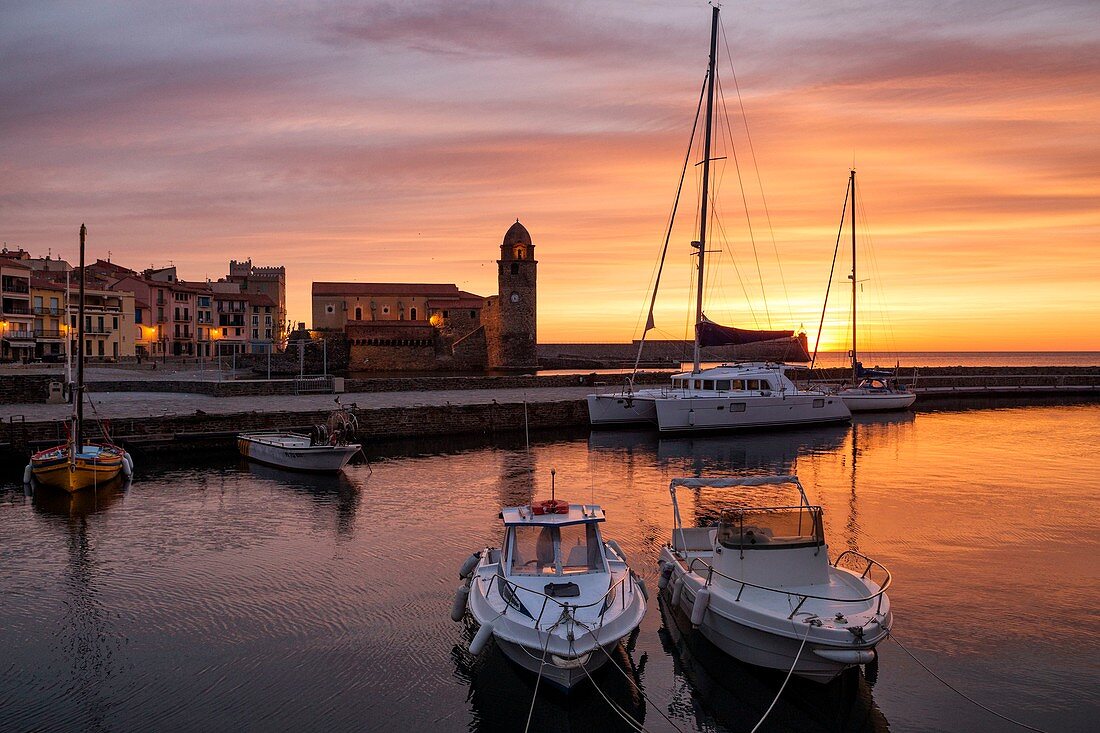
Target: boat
(872, 390)
(740, 396)
(556, 598)
(78, 464)
(758, 583)
(327, 450)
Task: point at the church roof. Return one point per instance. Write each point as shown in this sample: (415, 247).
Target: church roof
(429, 290)
(517, 234)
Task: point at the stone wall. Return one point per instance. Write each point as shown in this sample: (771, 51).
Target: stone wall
(23, 388)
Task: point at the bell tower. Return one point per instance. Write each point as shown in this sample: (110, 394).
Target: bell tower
(517, 273)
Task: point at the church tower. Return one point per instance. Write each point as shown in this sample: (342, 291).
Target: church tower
(515, 332)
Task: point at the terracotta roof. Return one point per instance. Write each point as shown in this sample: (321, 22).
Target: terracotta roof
(106, 265)
(6, 262)
(429, 290)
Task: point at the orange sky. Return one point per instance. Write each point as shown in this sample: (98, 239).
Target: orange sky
(398, 142)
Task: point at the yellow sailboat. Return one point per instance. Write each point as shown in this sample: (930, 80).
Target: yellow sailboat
(76, 464)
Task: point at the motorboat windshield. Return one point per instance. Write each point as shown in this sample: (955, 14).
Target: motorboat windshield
(547, 549)
(771, 528)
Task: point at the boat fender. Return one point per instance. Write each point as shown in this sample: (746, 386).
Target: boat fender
(27, 473)
(677, 591)
(458, 608)
(481, 638)
(618, 550)
(127, 467)
(870, 669)
(666, 573)
(641, 586)
(691, 416)
(129, 459)
(699, 608)
(468, 566)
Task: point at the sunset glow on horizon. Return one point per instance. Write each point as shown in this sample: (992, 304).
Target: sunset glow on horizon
(398, 142)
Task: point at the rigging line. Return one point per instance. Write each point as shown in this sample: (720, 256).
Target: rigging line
(785, 681)
(535, 694)
(962, 694)
(756, 166)
(829, 284)
(668, 232)
(744, 200)
(888, 326)
(627, 718)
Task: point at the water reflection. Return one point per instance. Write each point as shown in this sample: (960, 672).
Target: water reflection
(327, 490)
(719, 691)
(500, 693)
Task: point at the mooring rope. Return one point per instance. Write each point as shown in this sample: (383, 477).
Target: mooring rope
(782, 687)
(962, 694)
(538, 679)
(611, 703)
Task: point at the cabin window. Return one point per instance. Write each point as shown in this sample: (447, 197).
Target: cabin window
(551, 550)
(762, 529)
(697, 384)
(765, 384)
(819, 403)
(737, 407)
(722, 385)
(738, 384)
(752, 384)
(708, 384)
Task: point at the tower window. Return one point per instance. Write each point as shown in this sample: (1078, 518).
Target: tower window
(520, 252)
(358, 314)
(412, 314)
(515, 269)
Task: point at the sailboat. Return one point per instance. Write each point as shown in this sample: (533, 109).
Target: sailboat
(872, 390)
(747, 395)
(77, 464)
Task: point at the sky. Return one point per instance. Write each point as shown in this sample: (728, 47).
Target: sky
(364, 141)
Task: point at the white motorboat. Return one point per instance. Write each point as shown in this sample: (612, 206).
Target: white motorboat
(556, 597)
(751, 395)
(872, 390)
(759, 585)
(328, 450)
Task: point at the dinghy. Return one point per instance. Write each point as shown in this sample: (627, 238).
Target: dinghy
(759, 585)
(556, 597)
(327, 450)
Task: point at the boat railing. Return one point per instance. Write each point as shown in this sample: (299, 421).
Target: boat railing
(801, 596)
(604, 599)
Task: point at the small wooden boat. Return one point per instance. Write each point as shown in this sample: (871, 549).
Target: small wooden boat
(296, 451)
(328, 450)
(76, 464)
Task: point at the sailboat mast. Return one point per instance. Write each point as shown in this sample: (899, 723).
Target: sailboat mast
(78, 398)
(855, 355)
(702, 243)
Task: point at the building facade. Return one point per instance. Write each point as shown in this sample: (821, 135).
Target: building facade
(438, 327)
(16, 317)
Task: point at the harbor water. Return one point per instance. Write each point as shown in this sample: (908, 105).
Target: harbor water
(216, 595)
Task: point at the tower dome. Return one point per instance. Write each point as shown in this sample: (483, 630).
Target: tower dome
(517, 234)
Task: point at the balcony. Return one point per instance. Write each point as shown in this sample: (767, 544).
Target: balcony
(16, 309)
(13, 285)
(48, 333)
(182, 319)
(98, 330)
(40, 310)
(11, 335)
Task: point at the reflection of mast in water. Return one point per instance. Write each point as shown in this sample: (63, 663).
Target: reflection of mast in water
(852, 525)
(84, 634)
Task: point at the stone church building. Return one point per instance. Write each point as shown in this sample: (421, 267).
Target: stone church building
(437, 327)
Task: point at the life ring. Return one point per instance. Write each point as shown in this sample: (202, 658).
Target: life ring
(550, 506)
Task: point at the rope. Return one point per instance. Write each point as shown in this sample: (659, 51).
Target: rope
(962, 694)
(621, 713)
(786, 680)
(538, 679)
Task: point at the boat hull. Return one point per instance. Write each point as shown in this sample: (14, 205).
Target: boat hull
(54, 468)
(756, 412)
(564, 678)
(313, 459)
(877, 402)
(614, 410)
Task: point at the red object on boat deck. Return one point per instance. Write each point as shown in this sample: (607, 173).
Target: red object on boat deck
(550, 506)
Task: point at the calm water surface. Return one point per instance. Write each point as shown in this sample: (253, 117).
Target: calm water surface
(221, 596)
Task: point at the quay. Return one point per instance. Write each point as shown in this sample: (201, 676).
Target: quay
(172, 414)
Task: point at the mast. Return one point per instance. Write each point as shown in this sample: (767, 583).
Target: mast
(855, 354)
(78, 398)
(702, 243)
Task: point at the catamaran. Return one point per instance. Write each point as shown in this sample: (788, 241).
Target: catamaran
(730, 396)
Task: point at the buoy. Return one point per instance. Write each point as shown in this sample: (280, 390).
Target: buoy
(699, 608)
(618, 550)
(458, 608)
(128, 459)
(642, 588)
(27, 473)
(468, 566)
(677, 591)
(127, 467)
(481, 638)
(666, 573)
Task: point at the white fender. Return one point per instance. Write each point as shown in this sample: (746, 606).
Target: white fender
(129, 460)
(458, 607)
(666, 573)
(618, 550)
(481, 638)
(468, 566)
(127, 466)
(27, 473)
(699, 608)
(677, 591)
(641, 587)
(691, 416)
